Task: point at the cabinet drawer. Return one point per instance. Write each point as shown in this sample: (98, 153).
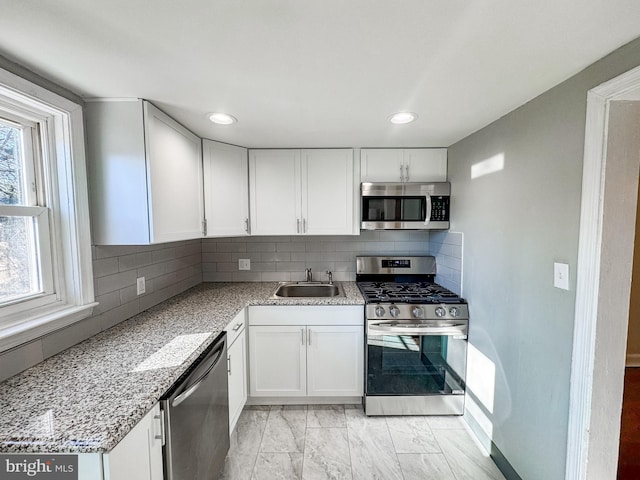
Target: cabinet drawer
(236, 326)
(307, 315)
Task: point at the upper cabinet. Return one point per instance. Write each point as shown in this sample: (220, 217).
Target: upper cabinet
(226, 189)
(296, 192)
(403, 165)
(145, 175)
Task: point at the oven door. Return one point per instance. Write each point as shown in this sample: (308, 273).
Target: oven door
(416, 358)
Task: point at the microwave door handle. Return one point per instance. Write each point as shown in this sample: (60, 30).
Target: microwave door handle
(427, 217)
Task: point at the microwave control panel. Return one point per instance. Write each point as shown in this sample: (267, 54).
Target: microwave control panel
(439, 209)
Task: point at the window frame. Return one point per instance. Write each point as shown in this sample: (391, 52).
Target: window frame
(62, 213)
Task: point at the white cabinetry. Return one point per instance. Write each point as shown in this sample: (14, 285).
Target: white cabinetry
(301, 192)
(226, 189)
(403, 165)
(139, 454)
(145, 175)
(306, 351)
(237, 367)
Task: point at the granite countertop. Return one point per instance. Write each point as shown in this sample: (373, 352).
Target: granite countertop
(87, 398)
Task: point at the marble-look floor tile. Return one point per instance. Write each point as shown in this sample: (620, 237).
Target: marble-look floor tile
(245, 443)
(326, 416)
(372, 453)
(421, 466)
(285, 430)
(466, 459)
(446, 422)
(278, 466)
(412, 435)
(326, 455)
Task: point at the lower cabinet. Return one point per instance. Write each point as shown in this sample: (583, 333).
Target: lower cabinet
(302, 357)
(139, 454)
(237, 367)
(335, 360)
(277, 361)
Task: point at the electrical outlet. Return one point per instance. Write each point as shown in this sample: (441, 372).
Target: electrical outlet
(561, 275)
(141, 287)
(244, 264)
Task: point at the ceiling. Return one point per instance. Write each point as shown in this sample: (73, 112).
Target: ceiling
(318, 73)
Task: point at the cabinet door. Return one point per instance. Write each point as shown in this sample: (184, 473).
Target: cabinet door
(237, 371)
(139, 454)
(226, 189)
(174, 175)
(275, 189)
(327, 192)
(381, 165)
(335, 360)
(425, 164)
(277, 361)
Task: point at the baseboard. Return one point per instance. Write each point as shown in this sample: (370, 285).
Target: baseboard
(496, 455)
(633, 360)
(304, 401)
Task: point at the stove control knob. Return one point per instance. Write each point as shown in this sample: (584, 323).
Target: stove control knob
(379, 311)
(440, 312)
(454, 312)
(394, 311)
(417, 312)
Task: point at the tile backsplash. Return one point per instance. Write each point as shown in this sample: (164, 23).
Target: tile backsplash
(286, 258)
(168, 268)
(175, 267)
(447, 247)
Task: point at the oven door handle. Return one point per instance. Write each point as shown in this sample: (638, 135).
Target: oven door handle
(427, 216)
(453, 329)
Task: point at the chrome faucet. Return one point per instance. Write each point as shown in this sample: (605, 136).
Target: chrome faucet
(308, 275)
(328, 272)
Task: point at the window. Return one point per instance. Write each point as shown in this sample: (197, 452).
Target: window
(45, 251)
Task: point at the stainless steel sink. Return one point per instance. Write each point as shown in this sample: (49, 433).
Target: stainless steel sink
(307, 289)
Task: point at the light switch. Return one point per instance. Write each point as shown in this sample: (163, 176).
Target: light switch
(141, 287)
(244, 264)
(561, 275)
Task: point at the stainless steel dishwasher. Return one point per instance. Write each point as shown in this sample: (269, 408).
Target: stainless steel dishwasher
(196, 413)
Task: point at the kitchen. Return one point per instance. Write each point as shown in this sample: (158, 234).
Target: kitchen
(510, 245)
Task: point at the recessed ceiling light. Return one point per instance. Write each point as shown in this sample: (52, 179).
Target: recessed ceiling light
(222, 118)
(402, 117)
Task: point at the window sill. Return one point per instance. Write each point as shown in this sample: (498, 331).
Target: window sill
(40, 325)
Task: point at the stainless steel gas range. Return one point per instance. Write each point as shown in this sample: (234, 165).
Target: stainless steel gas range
(416, 338)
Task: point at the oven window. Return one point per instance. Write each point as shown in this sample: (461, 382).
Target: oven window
(393, 209)
(415, 364)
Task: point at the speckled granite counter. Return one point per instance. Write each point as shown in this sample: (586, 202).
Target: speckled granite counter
(87, 398)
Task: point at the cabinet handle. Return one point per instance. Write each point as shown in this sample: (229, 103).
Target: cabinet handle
(302, 336)
(161, 419)
(297, 225)
(238, 327)
(304, 225)
(401, 173)
(246, 225)
(406, 174)
(229, 364)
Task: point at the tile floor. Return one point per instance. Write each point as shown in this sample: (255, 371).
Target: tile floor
(340, 442)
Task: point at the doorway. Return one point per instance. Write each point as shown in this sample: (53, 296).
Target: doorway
(605, 253)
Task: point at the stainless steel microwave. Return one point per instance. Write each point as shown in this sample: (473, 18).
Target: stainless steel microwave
(405, 206)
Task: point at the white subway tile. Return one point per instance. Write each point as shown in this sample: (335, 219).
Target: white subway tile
(276, 276)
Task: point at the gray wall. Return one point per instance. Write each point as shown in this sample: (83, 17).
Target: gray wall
(516, 223)
(168, 269)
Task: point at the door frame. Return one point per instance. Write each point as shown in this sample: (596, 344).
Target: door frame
(601, 309)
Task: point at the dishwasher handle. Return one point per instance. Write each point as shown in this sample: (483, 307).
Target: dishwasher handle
(191, 390)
